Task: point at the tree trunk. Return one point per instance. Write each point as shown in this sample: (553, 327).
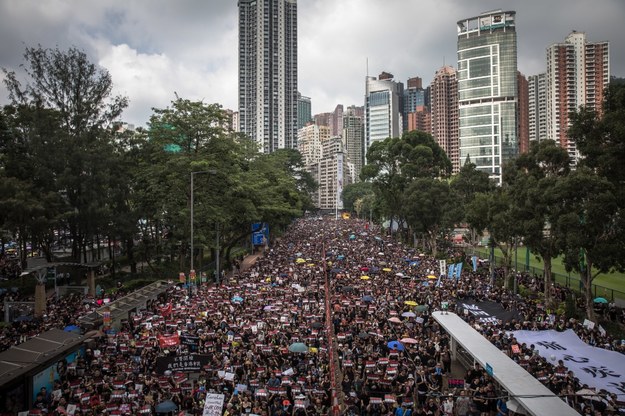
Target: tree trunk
(547, 280)
(40, 300)
(433, 244)
(587, 280)
(131, 255)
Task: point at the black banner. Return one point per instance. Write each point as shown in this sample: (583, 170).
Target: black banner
(487, 311)
(190, 340)
(188, 363)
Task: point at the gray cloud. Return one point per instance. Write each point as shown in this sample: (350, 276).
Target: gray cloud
(153, 48)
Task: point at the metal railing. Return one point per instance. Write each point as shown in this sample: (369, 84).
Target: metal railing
(567, 280)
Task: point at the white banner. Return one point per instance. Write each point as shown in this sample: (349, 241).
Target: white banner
(442, 264)
(596, 367)
(214, 404)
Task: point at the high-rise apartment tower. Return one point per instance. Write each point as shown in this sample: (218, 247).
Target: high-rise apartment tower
(444, 113)
(578, 74)
(268, 72)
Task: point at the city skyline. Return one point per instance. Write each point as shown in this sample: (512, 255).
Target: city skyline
(158, 49)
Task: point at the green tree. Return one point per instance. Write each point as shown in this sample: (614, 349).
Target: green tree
(354, 192)
(465, 186)
(589, 224)
(393, 163)
(80, 95)
(532, 179)
(429, 210)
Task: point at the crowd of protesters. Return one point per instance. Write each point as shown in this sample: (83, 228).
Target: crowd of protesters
(9, 267)
(269, 348)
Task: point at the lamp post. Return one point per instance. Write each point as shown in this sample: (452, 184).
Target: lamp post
(212, 172)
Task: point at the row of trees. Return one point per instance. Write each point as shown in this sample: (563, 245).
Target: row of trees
(68, 169)
(555, 211)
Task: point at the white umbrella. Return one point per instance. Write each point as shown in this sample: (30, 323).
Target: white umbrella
(515, 407)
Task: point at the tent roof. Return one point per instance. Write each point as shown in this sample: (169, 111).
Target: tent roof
(530, 393)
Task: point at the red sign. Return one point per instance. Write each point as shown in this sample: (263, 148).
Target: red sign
(168, 340)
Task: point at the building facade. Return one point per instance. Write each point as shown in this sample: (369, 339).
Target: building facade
(304, 111)
(444, 113)
(268, 72)
(383, 109)
(487, 90)
(309, 139)
(523, 114)
(578, 74)
(353, 139)
(537, 107)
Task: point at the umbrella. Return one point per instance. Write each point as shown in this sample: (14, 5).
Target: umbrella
(408, 314)
(71, 328)
(94, 334)
(400, 274)
(352, 237)
(367, 298)
(336, 270)
(347, 289)
(421, 308)
(601, 300)
(364, 269)
(364, 278)
(237, 299)
(316, 325)
(408, 341)
(431, 276)
(395, 320)
(515, 407)
(300, 260)
(588, 394)
(298, 347)
(166, 407)
(340, 257)
(387, 269)
(410, 303)
(395, 345)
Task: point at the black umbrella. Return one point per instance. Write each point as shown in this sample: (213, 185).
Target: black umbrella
(166, 407)
(316, 325)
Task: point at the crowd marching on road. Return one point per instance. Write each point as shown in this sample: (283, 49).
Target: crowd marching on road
(335, 318)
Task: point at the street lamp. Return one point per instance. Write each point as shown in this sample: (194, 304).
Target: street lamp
(212, 172)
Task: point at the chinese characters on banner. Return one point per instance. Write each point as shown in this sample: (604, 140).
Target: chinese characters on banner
(168, 340)
(213, 405)
(596, 367)
(187, 363)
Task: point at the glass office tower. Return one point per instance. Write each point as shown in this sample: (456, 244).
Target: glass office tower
(487, 90)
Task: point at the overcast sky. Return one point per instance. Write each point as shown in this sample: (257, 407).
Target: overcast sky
(153, 48)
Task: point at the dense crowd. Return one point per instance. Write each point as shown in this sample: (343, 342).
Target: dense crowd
(269, 348)
(9, 267)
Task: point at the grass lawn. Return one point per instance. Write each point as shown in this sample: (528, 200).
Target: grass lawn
(611, 281)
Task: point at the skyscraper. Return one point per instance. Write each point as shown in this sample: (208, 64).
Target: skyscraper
(578, 74)
(268, 72)
(444, 113)
(414, 102)
(304, 111)
(353, 137)
(487, 90)
(537, 106)
(383, 98)
(523, 113)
